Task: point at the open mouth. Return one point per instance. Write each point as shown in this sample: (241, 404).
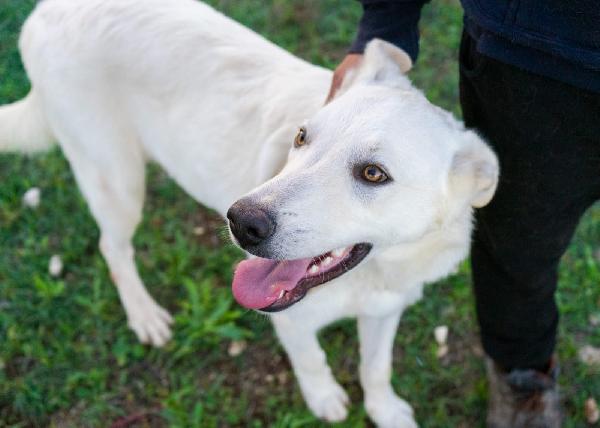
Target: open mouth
(273, 285)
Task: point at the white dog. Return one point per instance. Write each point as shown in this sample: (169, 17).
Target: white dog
(379, 174)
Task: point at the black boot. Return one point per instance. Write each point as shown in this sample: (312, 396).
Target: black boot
(523, 398)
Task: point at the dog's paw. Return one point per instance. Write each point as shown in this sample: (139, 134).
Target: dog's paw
(391, 412)
(150, 323)
(328, 402)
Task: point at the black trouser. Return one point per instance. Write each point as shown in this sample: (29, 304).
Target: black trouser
(547, 137)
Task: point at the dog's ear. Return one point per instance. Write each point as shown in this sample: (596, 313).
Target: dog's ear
(474, 171)
(382, 62)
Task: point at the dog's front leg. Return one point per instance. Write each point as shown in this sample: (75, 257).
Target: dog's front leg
(322, 393)
(376, 344)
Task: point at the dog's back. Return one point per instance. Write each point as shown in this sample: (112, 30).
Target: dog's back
(190, 88)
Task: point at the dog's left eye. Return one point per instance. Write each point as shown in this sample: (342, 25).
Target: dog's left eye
(300, 139)
(374, 174)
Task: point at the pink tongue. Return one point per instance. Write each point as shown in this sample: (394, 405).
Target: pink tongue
(258, 282)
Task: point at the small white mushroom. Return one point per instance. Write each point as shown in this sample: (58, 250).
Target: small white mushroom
(236, 347)
(55, 266)
(442, 351)
(592, 414)
(441, 334)
(589, 355)
(199, 231)
(31, 198)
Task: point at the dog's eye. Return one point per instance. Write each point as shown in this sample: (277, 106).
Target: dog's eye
(300, 139)
(374, 174)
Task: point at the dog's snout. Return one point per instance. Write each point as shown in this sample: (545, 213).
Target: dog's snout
(249, 223)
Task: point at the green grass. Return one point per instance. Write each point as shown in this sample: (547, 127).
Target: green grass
(68, 359)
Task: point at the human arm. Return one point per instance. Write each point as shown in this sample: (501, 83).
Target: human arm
(393, 21)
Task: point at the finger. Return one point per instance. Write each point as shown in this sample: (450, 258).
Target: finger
(335, 85)
(351, 61)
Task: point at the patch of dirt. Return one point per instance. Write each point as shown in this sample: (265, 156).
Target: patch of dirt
(208, 228)
(263, 371)
(260, 372)
(462, 349)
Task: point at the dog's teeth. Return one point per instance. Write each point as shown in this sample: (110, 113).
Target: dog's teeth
(314, 269)
(281, 294)
(327, 261)
(338, 252)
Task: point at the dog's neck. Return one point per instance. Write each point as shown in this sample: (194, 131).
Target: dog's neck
(432, 257)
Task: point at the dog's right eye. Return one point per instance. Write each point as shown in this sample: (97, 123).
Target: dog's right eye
(300, 139)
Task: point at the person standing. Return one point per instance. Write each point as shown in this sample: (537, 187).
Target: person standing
(530, 85)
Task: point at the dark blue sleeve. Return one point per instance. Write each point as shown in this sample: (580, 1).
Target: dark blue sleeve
(393, 21)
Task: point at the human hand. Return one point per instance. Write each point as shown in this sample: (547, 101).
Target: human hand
(350, 62)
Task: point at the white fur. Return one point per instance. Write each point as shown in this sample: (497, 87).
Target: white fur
(119, 83)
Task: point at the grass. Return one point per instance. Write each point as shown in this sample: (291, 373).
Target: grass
(68, 359)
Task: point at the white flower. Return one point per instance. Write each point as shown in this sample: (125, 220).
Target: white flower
(441, 334)
(31, 198)
(55, 266)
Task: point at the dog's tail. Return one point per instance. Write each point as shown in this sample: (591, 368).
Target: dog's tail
(23, 126)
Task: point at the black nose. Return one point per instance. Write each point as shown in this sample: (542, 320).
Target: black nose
(249, 223)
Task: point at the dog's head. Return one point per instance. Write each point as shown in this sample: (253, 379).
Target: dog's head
(377, 167)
